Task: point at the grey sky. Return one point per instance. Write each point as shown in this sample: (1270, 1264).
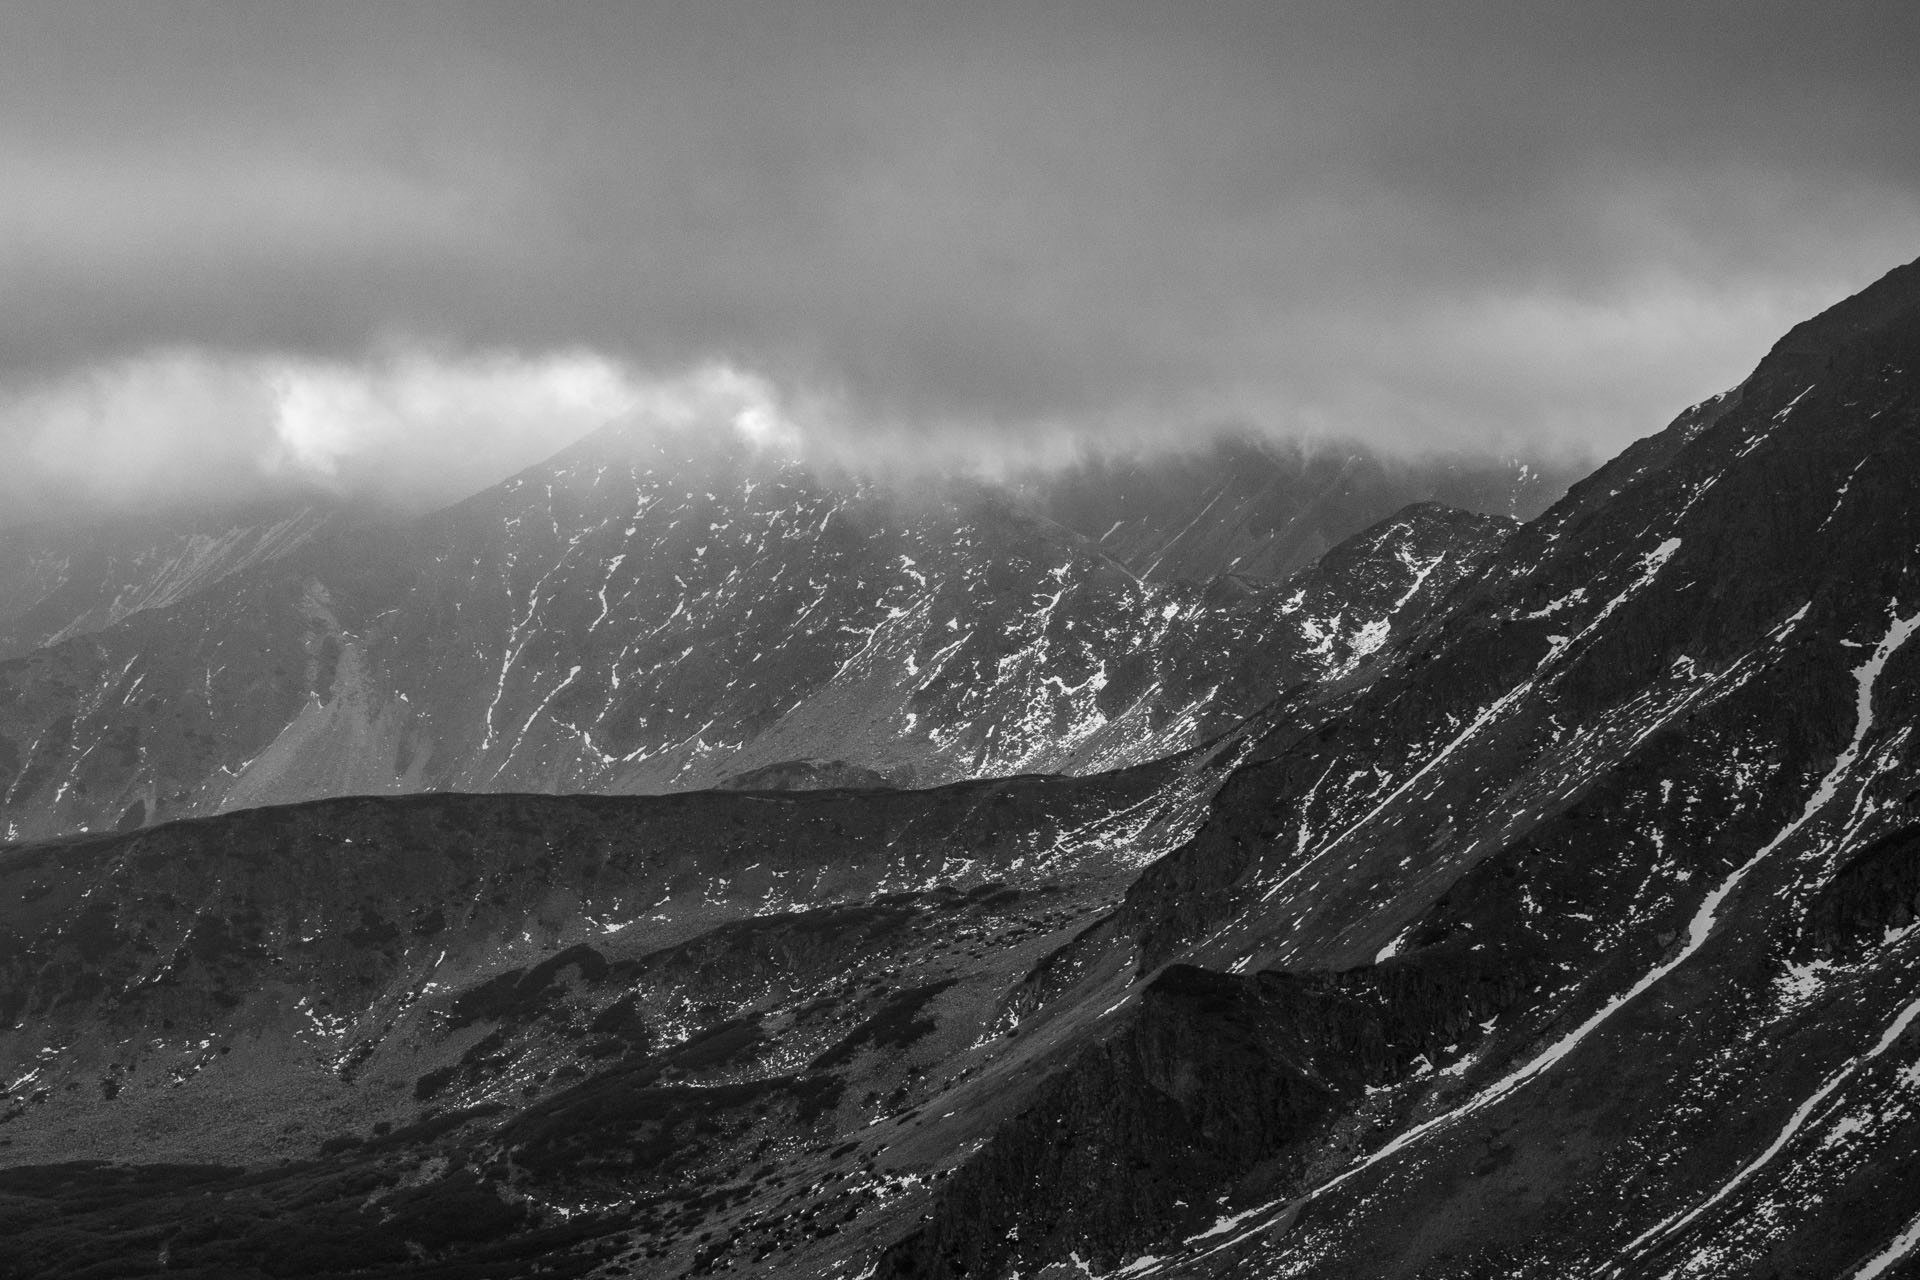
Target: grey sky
(1423, 225)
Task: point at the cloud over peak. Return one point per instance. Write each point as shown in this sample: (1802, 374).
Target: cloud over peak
(1484, 225)
(409, 430)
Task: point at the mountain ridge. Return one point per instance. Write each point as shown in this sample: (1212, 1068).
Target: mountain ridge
(647, 614)
(1570, 933)
(1598, 664)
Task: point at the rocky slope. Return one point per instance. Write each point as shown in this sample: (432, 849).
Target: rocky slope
(475, 1032)
(1528, 959)
(648, 613)
(58, 582)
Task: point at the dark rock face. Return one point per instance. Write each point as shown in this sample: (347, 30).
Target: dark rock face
(1874, 893)
(648, 614)
(1212, 1076)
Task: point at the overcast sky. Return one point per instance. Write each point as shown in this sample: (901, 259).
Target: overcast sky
(404, 247)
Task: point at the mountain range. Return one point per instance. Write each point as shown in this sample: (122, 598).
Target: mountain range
(651, 612)
(1482, 898)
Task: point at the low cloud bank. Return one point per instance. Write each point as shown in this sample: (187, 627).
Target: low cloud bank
(952, 235)
(409, 431)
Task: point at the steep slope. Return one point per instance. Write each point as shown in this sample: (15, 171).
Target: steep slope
(57, 582)
(649, 613)
(1579, 941)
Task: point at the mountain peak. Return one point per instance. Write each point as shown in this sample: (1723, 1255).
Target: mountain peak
(1892, 299)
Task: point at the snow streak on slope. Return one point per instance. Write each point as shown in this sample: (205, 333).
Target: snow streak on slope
(1700, 928)
(720, 614)
(1671, 1226)
(1897, 1249)
(1650, 565)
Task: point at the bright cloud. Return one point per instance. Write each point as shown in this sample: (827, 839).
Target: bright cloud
(411, 429)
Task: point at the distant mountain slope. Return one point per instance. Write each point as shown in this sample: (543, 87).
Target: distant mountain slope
(1267, 509)
(57, 582)
(648, 613)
